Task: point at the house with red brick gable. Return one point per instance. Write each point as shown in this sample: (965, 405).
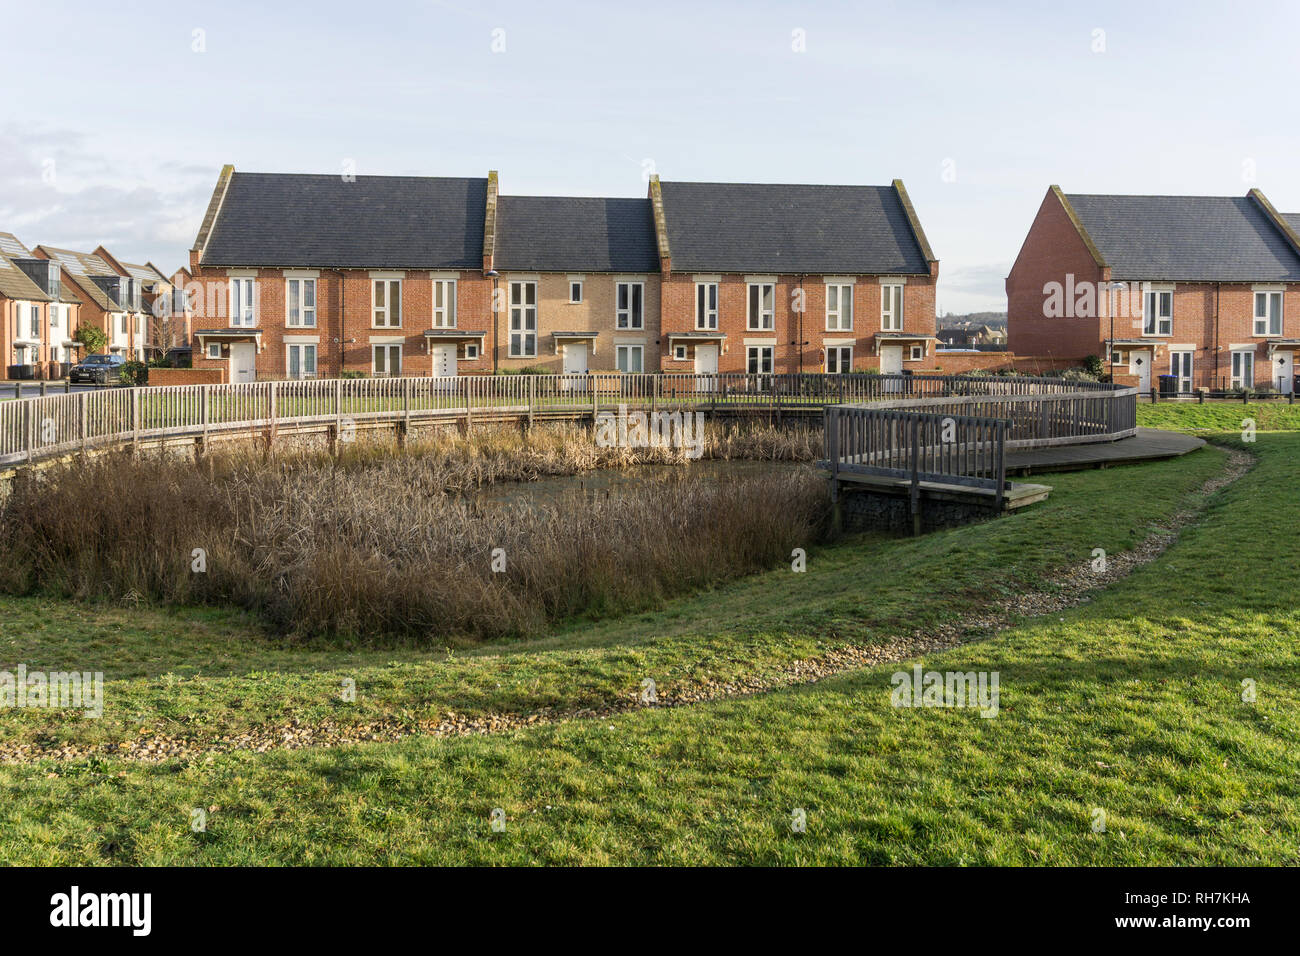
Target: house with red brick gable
(38, 314)
(303, 276)
(110, 301)
(792, 278)
(149, 338)
(1204, 289)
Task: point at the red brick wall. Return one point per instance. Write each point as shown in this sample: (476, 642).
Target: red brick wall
(1052, 250)
(187, 376)
(957, 363)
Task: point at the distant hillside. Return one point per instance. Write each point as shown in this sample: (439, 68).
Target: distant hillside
(994, 320)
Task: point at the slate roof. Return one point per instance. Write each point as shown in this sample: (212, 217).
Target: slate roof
(565, 234)
(80, 266)
(373, 222)
(745, 227)
(1292, 220)
(14, 283)
(147, 275)
(1189, 238)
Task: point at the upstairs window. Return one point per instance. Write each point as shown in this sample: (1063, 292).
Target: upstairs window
(1158, 313)
(243, 304)
(706, 306)
(523, 319)
(35, 321)
(444, 304)
(839, 308)
(1268, 313)
(762, 306)
(575, 291)
(300, 303)
(891, 308)
(386, 304)
(629, 305)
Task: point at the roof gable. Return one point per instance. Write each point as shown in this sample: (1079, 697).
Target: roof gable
(370, 222)
(566, 234)
(747, 227)
(80, 267)
(14, 282)
(1189, 238)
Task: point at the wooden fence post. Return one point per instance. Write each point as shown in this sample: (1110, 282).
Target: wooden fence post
(916, 475)
(82, 413)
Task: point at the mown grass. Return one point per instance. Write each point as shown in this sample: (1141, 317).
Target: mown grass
(1220, 416)
(1130, 703)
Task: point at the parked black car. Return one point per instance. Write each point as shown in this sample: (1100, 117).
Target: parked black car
(98, 370)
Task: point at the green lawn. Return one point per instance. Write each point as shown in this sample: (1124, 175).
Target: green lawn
(1129, 703)
(1220, 416)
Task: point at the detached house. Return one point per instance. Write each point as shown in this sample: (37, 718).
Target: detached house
(39, 314)
(298, 276)
(761, 278)
(111, 301)
(1205, 289)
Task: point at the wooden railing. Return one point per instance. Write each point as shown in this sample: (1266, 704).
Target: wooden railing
(37, 428)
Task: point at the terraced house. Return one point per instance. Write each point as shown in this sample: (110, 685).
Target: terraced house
(303, 275)
(1204, 290)
(111, 300)
(38, 312)
(150, 338)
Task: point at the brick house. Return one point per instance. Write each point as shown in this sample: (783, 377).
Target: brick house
(772, 278)
(305, 275)
(1202, 288)
(150, 338)
(38, 311)
(111, 301)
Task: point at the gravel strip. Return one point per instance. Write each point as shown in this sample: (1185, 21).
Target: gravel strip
(1070, 588)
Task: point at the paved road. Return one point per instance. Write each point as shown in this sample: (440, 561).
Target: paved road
(33, 389)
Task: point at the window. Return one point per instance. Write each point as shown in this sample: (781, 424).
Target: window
(760, 359)
(300, 299)
(629, 303)
(629, 358)
(444, 303)
(1268, 313)
(706, 306)
(1158, 313)
(523, 319)
(575, 291)
(214, 350)
(386, 360)
(839, 358)
(839, 308)
(301, 359)
(1180, 365)
(762, 306)
(679, 353)
(54, 353)
(471, 350)
(1243, 369)
(243, 308)
(35, 321)
(891, 308)
(386, 304)
(54, 318)
(918, 352)
(123, 324)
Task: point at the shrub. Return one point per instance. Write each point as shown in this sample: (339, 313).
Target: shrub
(93, 339)
(134, 373)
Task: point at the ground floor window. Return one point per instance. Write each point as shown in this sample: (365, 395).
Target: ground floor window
(679, 353)
(839, 358)
(471, 350)
(1243, 369)
(760, 360)
(386, 360)
(629, 358)
(214, 350)
(1180, 366)
(301, 361)
(918, 352)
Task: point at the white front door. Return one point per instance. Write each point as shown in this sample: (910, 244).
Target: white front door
(706, 364)
(1139, 364)
(574, 363)
(444, 361)
(891, 363)
(243, 362)
(1283, 371)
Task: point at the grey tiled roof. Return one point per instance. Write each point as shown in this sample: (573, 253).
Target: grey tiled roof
(374, 222)
(14, 283)
(745, 227)
(1292, 220)
(80, 266)
(564, 234)
(1206, 238)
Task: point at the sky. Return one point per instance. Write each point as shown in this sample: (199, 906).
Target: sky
(115, 118)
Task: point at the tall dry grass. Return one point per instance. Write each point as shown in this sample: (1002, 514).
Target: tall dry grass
(372, 546)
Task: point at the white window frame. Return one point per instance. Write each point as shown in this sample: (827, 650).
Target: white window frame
(623, 355)
(301, 349)
(387, 347)
(213, 351)
(766, 317)
(679, 353)
(891, 307)
(306, 314)
(631, 316)
(839, 351)
(1262, 326)
(382, 316)
(34, 321)
(444, 316)
(1236, 369)
(575, 284)
(760, 352)
(917, 353)
(1154, 322)
(1176, 368)
(520, 314)
(242, 302)
(471, 351)
(54, 318)
(839, 319)
(706, 315)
